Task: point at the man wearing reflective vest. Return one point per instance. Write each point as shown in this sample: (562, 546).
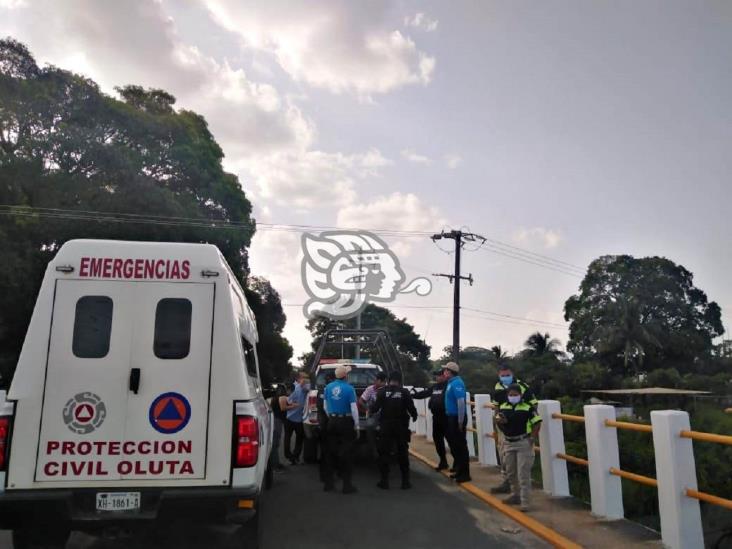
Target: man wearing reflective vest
(506, 378)
(520, 423)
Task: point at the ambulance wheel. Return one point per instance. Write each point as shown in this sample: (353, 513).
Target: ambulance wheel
(27, 538)
(250, 534)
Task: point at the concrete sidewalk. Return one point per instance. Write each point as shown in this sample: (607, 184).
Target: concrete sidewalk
(567, 516)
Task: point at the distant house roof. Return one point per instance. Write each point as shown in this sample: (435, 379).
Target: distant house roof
(647, 391)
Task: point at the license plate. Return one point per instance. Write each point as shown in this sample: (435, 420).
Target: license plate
(118, 501)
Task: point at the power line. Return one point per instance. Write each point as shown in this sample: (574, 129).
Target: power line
(509, 319)
(489, 245)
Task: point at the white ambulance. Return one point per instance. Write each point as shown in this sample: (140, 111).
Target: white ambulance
(137, 396)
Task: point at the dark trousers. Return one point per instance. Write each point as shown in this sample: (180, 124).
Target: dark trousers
(293, 427)
(340, 437)
(393, 435)
(458, 446)
(439, 432)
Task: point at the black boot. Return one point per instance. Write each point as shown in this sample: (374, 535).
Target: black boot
(441, 466)
(406, 485)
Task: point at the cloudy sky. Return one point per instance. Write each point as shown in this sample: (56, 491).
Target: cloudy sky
(568, 129)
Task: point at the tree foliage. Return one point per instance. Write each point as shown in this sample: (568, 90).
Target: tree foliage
(640, 314)
(65, 145)
(414, 352)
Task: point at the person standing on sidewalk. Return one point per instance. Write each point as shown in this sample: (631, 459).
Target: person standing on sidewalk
(436, 404)
(520, 424)
(457, 421)
(506, 378)
(293, 424)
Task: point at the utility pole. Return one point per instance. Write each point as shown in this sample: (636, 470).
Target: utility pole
(460, 238)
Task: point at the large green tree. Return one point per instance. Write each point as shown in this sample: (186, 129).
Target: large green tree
(65, 145)
(639, 314)
(413, 351)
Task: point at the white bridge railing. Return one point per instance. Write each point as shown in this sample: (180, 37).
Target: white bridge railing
(669, 431)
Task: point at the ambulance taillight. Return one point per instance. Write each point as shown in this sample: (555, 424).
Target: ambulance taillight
(246, 451)
(4, 433)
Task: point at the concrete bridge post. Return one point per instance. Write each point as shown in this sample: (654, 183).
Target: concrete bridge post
(468, 433)
(484, 426)
(429, 422)
(606, 490)
(421, 406)
(681, 525)
(551, 440)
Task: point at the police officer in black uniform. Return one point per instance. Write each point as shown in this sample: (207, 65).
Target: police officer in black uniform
(396, 406)
(436, 404)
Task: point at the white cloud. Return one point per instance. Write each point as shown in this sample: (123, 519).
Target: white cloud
(421, 21)
(398, 211)
(135, 41)
(412, 156)
(547, 238)
(307, 180)
(12, 4)
(452, 160)
(338, 45)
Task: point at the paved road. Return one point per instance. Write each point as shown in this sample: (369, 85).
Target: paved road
(298, 514)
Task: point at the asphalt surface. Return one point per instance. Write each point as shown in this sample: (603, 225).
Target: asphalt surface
(298, 514)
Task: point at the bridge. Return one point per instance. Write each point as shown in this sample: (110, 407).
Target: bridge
(439, 513)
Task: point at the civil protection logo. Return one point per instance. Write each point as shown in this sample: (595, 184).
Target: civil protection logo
(342, 271)
(84, 413)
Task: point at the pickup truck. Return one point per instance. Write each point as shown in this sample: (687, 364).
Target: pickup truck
(362, 374)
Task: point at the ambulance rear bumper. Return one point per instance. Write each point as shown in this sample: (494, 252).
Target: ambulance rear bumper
(78, 507)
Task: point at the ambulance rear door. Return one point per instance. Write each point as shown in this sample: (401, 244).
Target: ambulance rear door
(85, 389)
(170, 365)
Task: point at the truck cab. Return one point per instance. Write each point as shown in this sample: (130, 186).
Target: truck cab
(137, 395)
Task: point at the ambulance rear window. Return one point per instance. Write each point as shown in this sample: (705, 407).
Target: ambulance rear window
(172, 328)
(92, 326)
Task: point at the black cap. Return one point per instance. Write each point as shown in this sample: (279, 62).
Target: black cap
(395, 375)
(381, 376)
(437, 372)
(514, 387)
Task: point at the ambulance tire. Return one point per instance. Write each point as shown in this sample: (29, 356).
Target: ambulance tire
(27, 538)
(268, 478)
(249, 535)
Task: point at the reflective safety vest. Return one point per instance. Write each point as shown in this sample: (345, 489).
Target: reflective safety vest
(499, 394)
(520, 418)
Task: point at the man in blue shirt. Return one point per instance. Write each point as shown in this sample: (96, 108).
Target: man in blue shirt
(457, 419)
(340, 405)
(293, 423)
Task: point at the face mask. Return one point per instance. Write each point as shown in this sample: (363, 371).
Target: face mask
(506, 380)
(514, 399)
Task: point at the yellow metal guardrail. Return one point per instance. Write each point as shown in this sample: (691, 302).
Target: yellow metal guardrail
(649, 481)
